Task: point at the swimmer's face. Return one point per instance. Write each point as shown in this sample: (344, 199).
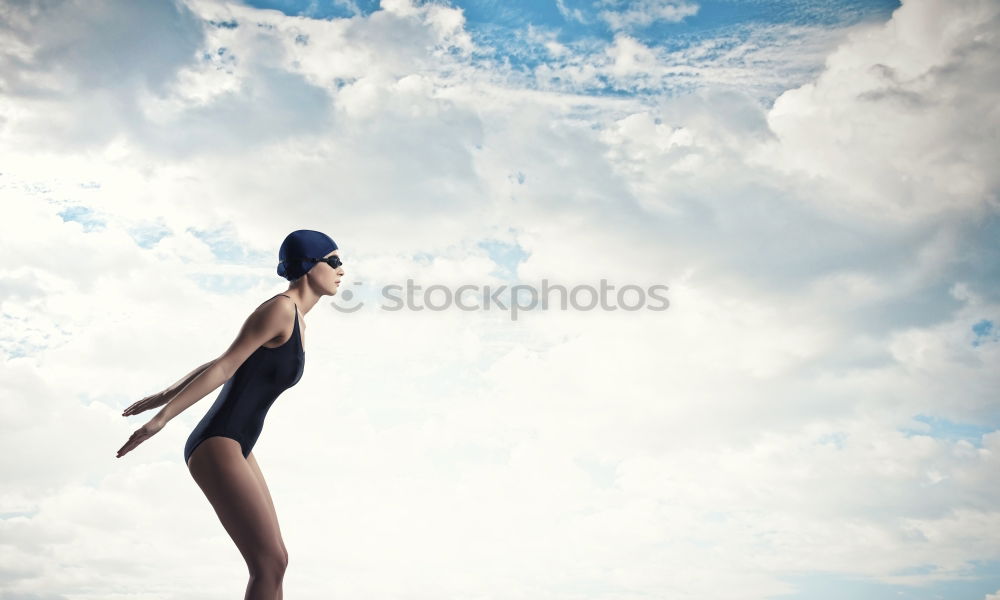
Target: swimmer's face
(328, 277)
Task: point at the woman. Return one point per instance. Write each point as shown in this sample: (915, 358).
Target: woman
(267, 357)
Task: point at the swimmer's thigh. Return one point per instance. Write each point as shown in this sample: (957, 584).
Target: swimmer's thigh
(252, 461)
(232, 488)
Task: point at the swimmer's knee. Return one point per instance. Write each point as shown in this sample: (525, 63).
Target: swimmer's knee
(270, 564)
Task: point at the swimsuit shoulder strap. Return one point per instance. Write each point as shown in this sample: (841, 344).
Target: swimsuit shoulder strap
(275, 296)
(295, 324)
(296, 309)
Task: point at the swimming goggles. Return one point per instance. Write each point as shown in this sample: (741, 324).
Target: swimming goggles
(333, 261)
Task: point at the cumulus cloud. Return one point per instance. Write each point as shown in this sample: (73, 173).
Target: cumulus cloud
(79, 70)
(913, 103)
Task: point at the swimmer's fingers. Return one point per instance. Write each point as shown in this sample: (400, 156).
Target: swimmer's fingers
(137, 438)
(140, 435)
(136, 407)
(150, 401)
(141, 405)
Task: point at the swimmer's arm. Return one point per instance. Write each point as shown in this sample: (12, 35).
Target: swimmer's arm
(260, 327)
(173, 389)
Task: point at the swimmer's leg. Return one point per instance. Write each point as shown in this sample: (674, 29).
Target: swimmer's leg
(274, 514)
(229, 483)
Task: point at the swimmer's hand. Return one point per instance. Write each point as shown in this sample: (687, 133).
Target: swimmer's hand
(141, 435)
(151, 401)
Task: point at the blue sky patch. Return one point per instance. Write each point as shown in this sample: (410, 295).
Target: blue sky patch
(84, 216)
(582, 18)
(513, 35)
(952, 431)
(506, 255)
(982, 578)
(148, 235)
(985, 332)
(224, 245)
(837, 439)
(319, 9)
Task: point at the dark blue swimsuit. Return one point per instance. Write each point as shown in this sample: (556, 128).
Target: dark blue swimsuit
(239, 411)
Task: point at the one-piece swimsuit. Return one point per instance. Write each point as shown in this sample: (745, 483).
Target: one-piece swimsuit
(240, 408)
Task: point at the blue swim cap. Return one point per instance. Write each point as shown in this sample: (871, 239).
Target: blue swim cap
(302, 243)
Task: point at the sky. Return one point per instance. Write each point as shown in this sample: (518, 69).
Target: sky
(811, 414)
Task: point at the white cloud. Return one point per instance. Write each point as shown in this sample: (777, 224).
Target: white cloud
(646, 12)
(570, 14)
(910, 100)
(760, 60)
(78, 71)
